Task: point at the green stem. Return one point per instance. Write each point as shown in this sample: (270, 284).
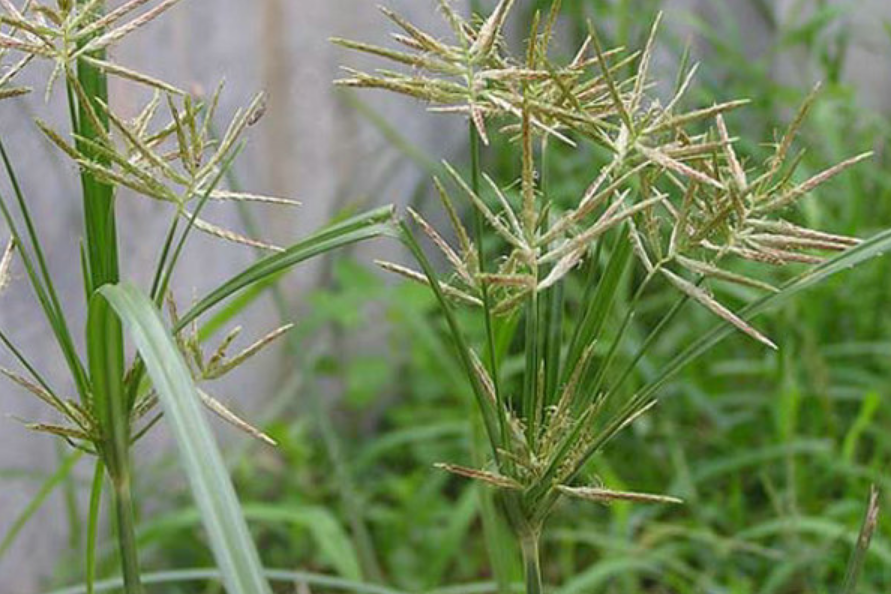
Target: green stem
(123, 507)
(532, 562)
(88, 93)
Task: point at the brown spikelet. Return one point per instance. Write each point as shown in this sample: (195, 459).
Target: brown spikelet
(230, 236)
(701, 296)
(447, 289)
(490, 478)
(608, 495)
(787, 198)
(226, 365)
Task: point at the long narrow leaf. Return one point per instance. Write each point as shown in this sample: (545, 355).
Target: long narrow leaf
(365, 226)
(215, 496)
(183, 576)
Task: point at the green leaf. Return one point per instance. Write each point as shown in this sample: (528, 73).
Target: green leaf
(371, 224)
(214, 494)
(183, 576)
(333, 541)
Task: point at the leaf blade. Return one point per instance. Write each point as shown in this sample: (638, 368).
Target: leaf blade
(365, 226)
(215, 496)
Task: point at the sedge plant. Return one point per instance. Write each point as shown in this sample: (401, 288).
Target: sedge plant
(166, 152)
(671, 205)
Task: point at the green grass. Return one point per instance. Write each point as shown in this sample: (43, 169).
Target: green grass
(773, 453)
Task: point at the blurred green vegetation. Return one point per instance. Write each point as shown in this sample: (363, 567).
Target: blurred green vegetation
(774, 452)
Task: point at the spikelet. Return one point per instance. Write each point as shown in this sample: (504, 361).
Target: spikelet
(220, 365)
(600, 495)
(490, 478)
(217, 408)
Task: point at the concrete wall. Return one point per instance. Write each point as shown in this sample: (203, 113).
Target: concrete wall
(311, 145)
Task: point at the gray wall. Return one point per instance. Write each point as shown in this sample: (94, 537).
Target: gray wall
(311, 146)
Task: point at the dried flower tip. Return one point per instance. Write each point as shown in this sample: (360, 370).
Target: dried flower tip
(423, 41)
(134, 75)
(484, 378)
(682, 120)
(60, 431)
(437, 239)
(259, 109)
(678, 167)
(610, 218)
(41, 392)
(13, 92)
(797, 192)
(220, 354)
(739, 175)
(224, 367)
(719, 273)
(786, 228)
(562, 268)
(122, 31)
(248, 197)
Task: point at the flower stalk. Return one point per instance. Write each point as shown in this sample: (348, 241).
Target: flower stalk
(529, 545)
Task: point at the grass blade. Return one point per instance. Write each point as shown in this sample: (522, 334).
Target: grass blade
(215, 496)
(595, 315)
(93, 526)
(371, 224)
(41, 283)
(182, 576)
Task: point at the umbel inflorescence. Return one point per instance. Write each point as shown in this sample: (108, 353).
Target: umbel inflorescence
(673, 188)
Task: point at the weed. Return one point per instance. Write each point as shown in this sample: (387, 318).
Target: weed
(673, 195)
